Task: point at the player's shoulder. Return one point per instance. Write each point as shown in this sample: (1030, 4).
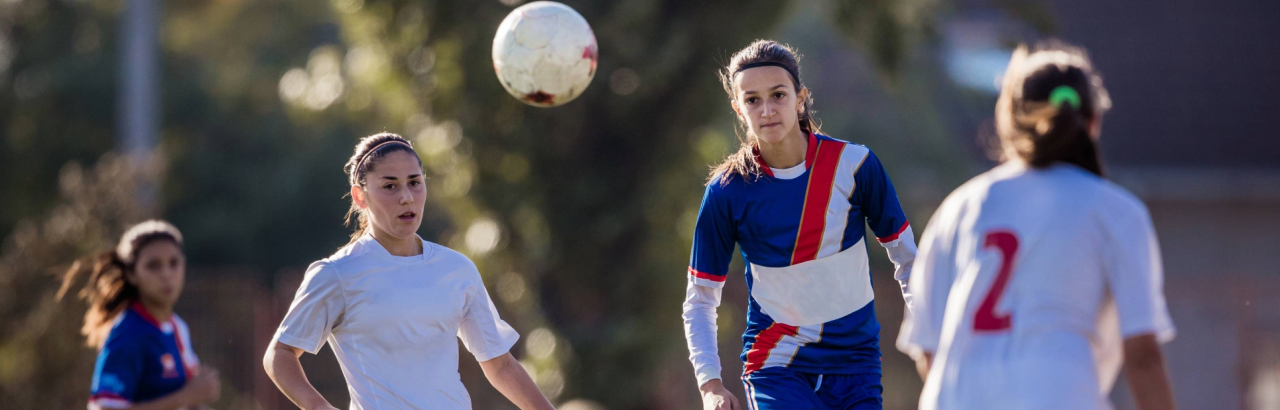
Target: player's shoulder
(443, 258)
(347, 258)
(860, 150)
(854, 155)
(127, 332)
(726, 184)
(1115, 200)
(978, 186)
(444, 254)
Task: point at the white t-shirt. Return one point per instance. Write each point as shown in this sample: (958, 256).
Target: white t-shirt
(392, 321)
(1026, 283)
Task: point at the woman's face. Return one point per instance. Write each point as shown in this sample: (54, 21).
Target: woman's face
(393, 195)
(768, 103)
(159, 272)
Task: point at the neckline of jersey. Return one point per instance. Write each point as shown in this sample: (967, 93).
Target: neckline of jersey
(789, 173)
(165, 327)
(381, 252)
(811, 153)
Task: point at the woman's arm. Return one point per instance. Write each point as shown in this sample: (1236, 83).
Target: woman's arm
(1144, 370)
(281, 363)
(507, 375)
(201, 389)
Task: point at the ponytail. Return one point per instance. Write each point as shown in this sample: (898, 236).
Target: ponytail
(1065, 139)
(1048, 104)
(107, 293)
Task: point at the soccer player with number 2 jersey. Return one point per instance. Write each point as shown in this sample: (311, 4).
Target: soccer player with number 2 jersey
(1038, 278)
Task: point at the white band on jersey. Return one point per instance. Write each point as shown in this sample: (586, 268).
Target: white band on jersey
(817, 291)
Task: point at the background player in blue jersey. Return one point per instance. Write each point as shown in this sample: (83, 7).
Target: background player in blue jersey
(795, 202)
(145, 360)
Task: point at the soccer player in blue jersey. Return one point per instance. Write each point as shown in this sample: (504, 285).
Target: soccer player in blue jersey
(145, 360)
(795, 202)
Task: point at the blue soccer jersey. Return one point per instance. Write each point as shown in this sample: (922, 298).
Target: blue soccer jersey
(811, 303)
(142, 359)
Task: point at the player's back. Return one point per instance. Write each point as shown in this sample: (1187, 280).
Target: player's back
(1021, 328)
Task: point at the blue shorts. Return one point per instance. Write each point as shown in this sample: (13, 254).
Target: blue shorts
(777, 388)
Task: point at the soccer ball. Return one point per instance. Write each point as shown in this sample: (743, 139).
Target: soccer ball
(544, 54)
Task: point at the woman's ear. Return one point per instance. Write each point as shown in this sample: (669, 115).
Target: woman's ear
(357, 195)
(801, 98)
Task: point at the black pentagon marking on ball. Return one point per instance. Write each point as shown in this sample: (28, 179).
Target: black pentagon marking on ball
(539, 97)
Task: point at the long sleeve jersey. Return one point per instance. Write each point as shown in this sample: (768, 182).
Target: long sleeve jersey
(800, 231)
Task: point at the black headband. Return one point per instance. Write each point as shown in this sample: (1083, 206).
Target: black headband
(355, 172)
(768, 64)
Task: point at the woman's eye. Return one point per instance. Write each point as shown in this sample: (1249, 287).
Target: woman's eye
(779, 95)
(389, 186)
(751, 100)
(415, 183)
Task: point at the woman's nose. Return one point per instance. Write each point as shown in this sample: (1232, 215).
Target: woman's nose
(767, 111)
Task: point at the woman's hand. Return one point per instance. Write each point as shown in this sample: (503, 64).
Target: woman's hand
(204, 388)
(716, 397)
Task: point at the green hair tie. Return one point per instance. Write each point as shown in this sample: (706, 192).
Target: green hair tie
(1064, 93)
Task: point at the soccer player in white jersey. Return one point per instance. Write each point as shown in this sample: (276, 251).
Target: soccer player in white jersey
(798, 204)
(391, 304)
(1036, 279)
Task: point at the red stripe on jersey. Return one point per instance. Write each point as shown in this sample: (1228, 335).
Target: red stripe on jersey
(142, 311)
(813, 217)
(894, 237)
(703, 275)
(182, 349)
(764, 166)
(811, 151)
(765, 341)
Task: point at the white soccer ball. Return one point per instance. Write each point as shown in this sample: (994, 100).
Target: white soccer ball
(544, 54)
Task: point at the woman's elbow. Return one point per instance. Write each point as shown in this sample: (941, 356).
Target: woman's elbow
(267, 360)
(1143, 352)
(276, 351)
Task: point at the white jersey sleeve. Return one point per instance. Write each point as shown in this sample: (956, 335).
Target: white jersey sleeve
(317, 308)
(902, 252)
(482, 331)
(1135, 273)
(700, 304)
(929, 283)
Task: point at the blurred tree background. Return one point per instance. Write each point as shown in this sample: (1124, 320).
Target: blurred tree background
(579, 217)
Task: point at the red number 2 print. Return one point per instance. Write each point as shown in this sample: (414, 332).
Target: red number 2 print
(986, 320)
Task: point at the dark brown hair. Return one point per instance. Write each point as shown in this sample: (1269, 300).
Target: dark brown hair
(1036, 121)
(368, 152)
(743, 162)
(108, 291)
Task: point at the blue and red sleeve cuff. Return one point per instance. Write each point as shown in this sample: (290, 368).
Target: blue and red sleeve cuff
(706, 279)
(895, 235)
